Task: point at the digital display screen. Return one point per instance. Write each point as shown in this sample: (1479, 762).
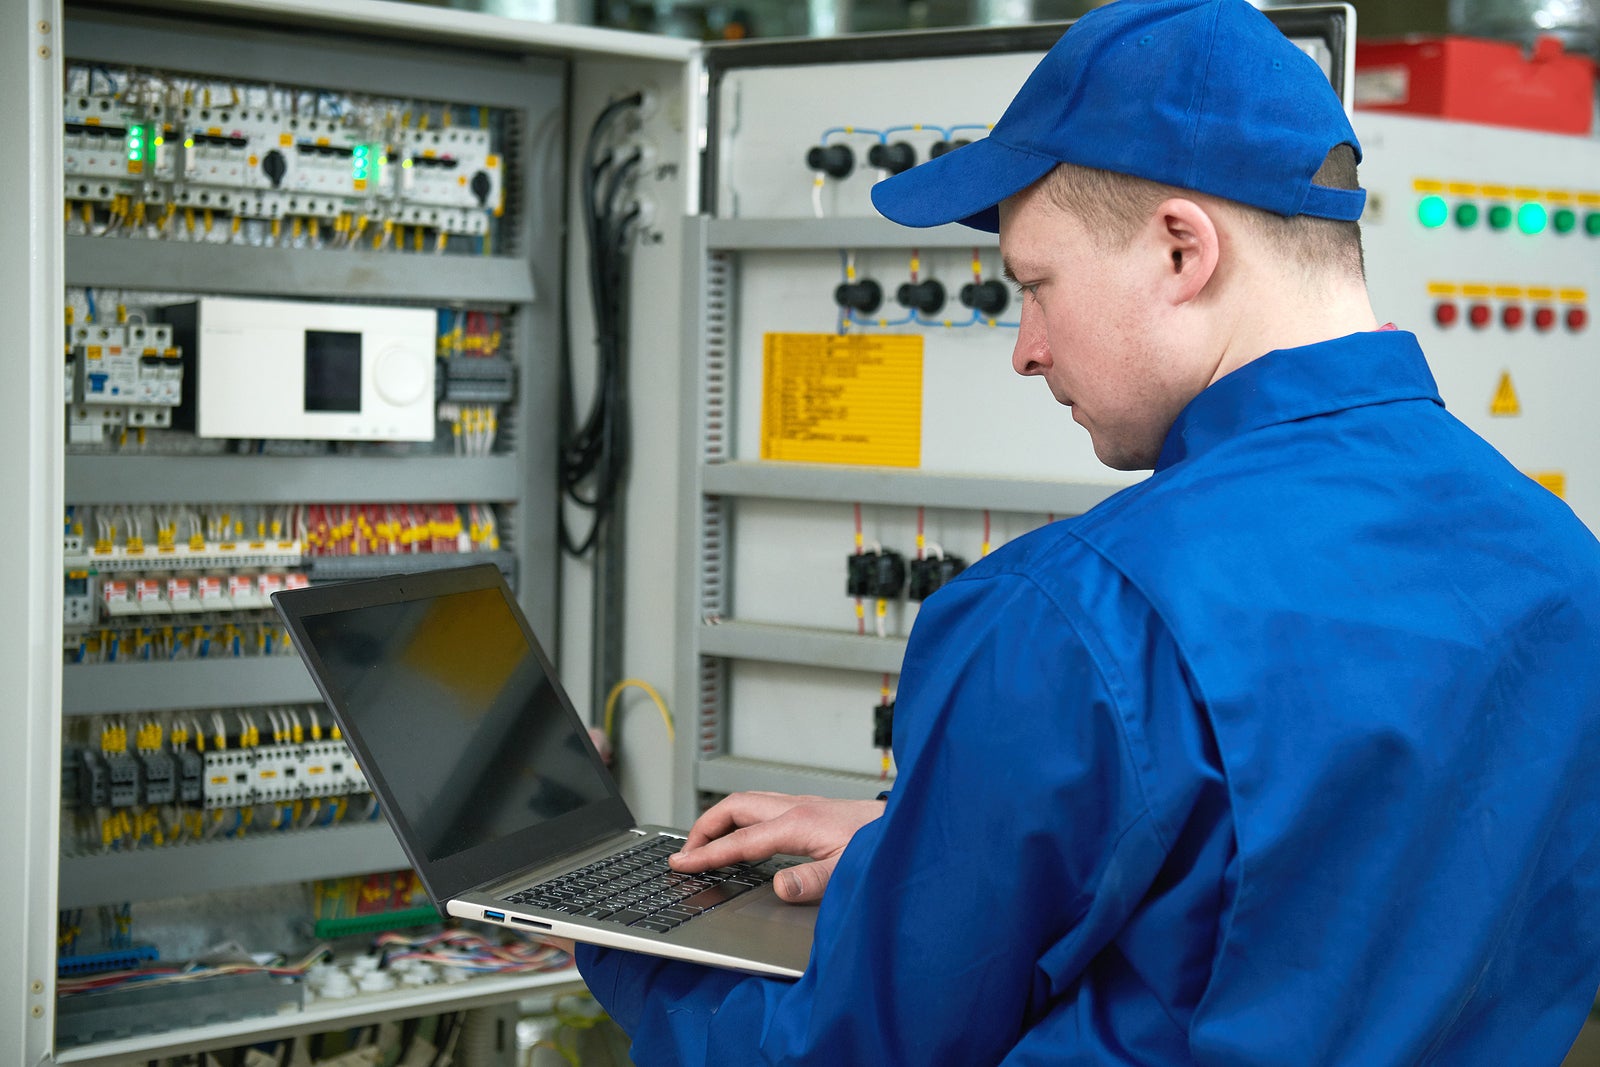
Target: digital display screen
(451, 700)
(333, 371)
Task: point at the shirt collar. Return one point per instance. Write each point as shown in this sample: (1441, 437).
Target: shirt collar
(1298, 383)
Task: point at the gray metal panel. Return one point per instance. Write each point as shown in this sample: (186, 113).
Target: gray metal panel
(282, 56)
(288, 480)
(322, 1016)
(95, 689)
(31, 433)
(122, 263)
(755, 234)
(730, 774)
(892, 485)
(263, 859)
(804, 646)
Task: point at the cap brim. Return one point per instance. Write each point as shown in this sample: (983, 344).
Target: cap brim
(965, 185)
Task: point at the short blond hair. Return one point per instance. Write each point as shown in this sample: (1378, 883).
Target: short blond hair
(1113, 206)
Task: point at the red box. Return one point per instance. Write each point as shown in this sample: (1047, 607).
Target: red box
(1474, 80)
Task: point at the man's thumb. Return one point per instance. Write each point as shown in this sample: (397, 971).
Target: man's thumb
(804, 883)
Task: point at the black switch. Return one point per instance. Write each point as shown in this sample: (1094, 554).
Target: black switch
(836, 161)
(926, 297)
(274, 166)
(988, 298)
(895, 158)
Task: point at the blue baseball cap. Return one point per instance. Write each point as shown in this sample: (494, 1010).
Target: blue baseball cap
(1205, 95)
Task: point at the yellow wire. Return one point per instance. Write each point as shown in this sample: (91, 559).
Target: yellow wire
(650, 691)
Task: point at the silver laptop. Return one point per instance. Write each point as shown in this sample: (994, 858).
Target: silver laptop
(490, 781)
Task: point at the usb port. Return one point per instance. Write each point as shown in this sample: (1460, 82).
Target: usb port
(494, 916)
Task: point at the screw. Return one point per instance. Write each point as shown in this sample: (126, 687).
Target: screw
(38, 1012)
(37, 986)
(44, 51)
(44, 27)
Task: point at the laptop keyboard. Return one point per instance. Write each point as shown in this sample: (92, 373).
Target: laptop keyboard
(636, 888)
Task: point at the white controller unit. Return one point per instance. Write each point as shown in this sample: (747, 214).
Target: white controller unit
(331, 372)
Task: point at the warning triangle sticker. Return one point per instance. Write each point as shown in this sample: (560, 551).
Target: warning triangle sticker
(1505, 397)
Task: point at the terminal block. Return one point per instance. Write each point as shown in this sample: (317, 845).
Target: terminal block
(190, 769)
(883, 725)
(476, 380)
(122, 780)
(930, 575)
(94, 783)
(158, 784)
(880, 574)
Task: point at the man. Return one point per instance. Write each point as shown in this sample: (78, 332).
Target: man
(1282, 756)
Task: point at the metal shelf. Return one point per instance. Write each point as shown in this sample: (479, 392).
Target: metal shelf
(750, 235)
(803, 645)
(213, 866)
(100, 688)
(897, 485)
(288, 479)
(184, 266)
(324, 1015)
(730, 774)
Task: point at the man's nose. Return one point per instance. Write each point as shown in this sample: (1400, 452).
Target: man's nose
(1032, 354)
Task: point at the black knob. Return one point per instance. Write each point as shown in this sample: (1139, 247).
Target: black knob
(941, 147)
(988, 298)
(894, 158)
(864, 296)
(926, 297)
(480, 186)
(836, 161)
(274, 166)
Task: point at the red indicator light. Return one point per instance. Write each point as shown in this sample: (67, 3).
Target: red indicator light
(1543, 319)
(1445, 314)
(1479, 315)
(1511, 316)
(1577, 319)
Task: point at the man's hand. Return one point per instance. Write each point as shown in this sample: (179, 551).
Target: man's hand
(752, 827)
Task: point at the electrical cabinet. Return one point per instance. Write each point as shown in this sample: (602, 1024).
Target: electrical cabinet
(825, 424)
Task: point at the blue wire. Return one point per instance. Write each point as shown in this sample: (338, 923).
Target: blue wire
(88, 294)
(923, 128)
(831, 130)
(951, 132)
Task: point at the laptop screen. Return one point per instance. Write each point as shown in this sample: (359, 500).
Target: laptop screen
(457, 720)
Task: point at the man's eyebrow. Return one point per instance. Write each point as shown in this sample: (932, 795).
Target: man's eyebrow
(1007, 273)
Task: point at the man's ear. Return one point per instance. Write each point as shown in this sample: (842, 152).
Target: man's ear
(1186, 236)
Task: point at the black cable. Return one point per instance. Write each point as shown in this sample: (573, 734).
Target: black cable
(442, 1035)
(593, 451)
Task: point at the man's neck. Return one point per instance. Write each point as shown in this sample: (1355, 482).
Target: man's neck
(1273, 321)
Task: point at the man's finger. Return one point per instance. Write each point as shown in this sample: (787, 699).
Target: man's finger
(750, 844)
(732, 812)
(804, 883)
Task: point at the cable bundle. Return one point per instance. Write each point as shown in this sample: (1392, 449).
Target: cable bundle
(594, 455)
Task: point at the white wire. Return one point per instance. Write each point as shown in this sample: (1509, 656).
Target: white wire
(816, 197)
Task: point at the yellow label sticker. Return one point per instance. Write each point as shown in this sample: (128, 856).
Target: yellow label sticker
(135, 166)
(1474, 289)
(1574, 296)
(1540, 292)
(491, 161)
(1441, 288)
(1589, 198)
(1505, 398)
(1462, 189)
(1526, 193)
(1508, 292)
(842, 399)
(1427, 185)
(1497, 191)
(285, 139)
(1555, 481)
(1558, 196)
(92, 120)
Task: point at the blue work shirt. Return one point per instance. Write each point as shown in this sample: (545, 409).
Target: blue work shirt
(1289, 754)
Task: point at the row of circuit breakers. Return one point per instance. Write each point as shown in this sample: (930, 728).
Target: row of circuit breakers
(172, 773)
(270, 164)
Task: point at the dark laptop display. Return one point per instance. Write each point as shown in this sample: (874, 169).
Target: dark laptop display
(469, 756)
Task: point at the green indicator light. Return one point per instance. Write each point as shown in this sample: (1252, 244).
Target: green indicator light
(405, 164)
(1466, 215)
(1433, 211)
(1532, 218)
(1499, 216)
(1591, 224)
(1564, 219)
(135, 143)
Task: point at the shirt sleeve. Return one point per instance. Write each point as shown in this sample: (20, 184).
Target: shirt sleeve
(1015, 844)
